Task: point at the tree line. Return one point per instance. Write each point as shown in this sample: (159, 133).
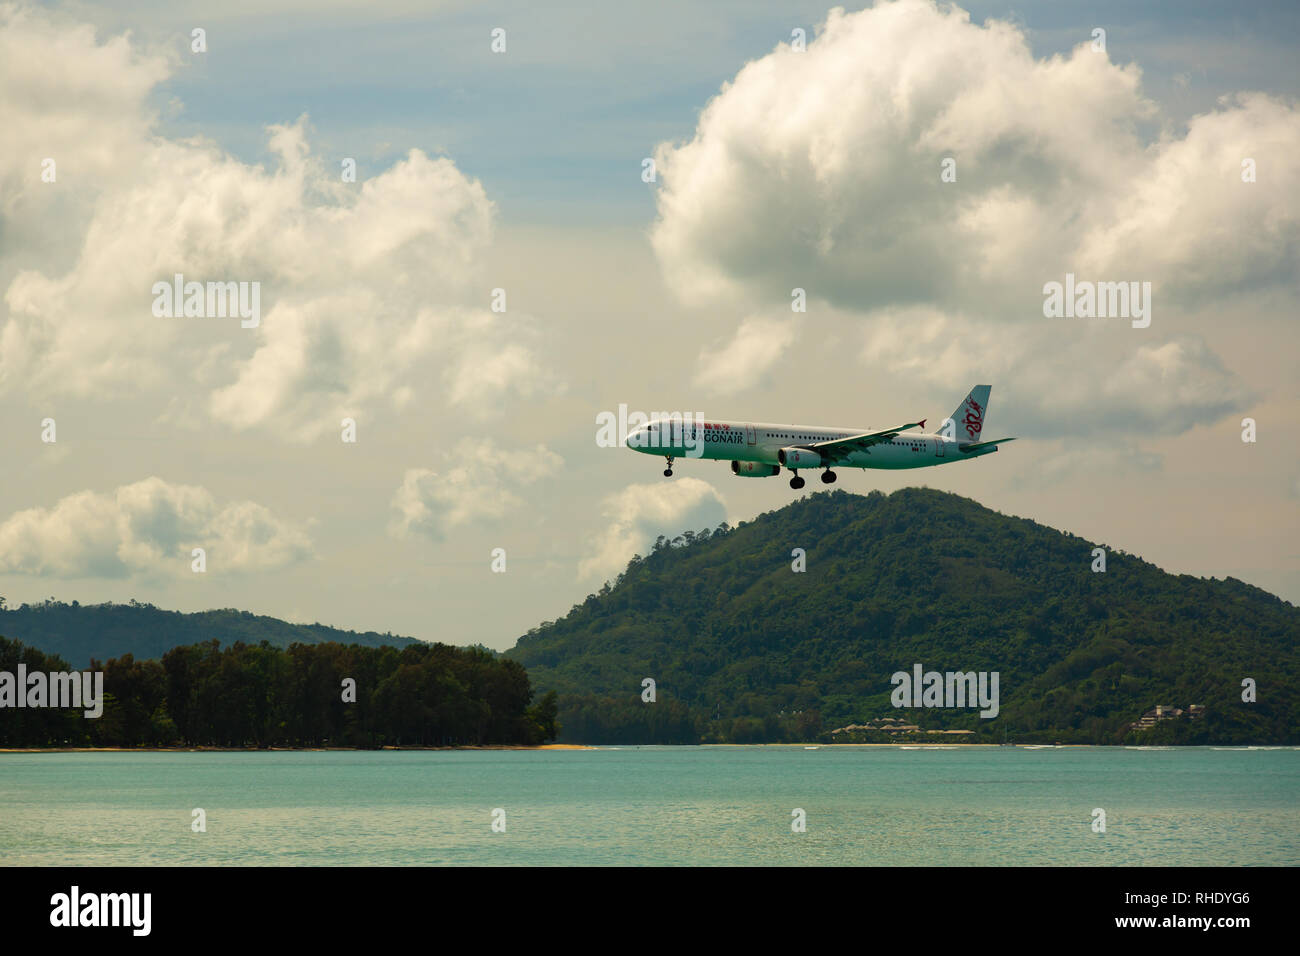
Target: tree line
(259, 695)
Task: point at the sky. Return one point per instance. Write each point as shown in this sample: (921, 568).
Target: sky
(1168, 156)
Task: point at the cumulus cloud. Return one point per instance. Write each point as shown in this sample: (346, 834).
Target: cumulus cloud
(491, 366)
(638, 514)
(1052, 383)
(430, 503)
(1074, 459)
(1190, 222)
(366, 288)
(821, 169)
(65, 97)
(150, 527)
(729, 367)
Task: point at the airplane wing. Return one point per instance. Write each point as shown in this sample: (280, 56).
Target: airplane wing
(976, 446)
(839, 448)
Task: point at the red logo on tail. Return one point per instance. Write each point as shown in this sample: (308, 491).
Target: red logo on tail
(974, 420)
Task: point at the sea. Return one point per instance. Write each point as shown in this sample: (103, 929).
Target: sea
(706, 806)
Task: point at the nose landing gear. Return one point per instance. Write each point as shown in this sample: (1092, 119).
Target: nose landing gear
(668, 472)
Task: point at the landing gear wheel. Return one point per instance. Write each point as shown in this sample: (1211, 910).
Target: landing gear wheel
(828, 477)
(668, 472)
(796, 482)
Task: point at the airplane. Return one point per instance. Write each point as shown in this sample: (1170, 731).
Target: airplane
(760, 450)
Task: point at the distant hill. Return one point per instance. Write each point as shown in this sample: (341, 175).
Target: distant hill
(744, 649)
(78, 632)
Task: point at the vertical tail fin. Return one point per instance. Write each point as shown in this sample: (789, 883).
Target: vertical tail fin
(968, 419)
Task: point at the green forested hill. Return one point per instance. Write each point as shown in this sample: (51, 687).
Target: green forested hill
(78, 632)
(744, 649)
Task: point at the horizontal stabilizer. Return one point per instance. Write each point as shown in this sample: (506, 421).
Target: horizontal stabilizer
(976, 446)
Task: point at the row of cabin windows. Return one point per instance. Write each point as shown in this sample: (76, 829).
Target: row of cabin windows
(912, 445)
(907, 444)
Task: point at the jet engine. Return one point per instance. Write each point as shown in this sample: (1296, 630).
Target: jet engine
(799, 458)
(754, 469)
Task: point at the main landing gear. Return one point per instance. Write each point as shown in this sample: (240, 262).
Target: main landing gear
(668, 472)
(828, 478)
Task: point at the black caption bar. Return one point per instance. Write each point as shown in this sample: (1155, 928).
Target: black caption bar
(143, 906)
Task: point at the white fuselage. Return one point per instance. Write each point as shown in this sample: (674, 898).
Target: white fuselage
(761, 442)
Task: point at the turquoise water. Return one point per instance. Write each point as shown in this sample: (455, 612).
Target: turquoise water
(655, 805)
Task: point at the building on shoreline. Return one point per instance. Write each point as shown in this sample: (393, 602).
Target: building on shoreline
(1165, 712)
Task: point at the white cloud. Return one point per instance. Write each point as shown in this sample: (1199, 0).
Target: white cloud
(821, 170)
(474, 488)
(728, 367)
(1062, 463)
(66, 97)
(1188, 220)
(366, 287)
(1052, 379)
(149, 527)
(489, 369)
(638, 514)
